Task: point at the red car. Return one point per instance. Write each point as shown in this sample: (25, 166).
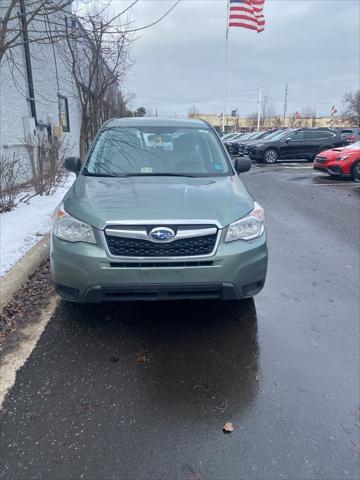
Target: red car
(340, 161)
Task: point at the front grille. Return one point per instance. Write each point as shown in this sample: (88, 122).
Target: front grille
(320, 159)
(186, 247)
(163, 292)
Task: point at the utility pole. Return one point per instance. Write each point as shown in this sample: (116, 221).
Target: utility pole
(285, 104)
(259, 110)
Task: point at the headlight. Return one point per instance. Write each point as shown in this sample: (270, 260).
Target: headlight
(71, 229)
(249, 227)
(342, 157)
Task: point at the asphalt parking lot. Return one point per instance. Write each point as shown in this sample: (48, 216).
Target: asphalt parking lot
(141, 391)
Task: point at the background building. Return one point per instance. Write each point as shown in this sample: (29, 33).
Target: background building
(250, 122)
(58, 80)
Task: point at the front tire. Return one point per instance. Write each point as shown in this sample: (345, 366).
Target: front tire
(356, 171)
(271, 156)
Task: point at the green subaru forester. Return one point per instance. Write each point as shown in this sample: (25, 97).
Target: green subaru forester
(158, 212)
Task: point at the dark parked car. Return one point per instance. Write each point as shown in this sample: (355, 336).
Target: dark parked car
(351, 135)
(245, 146)
(300, 143)
(229, 142)
(232, 145)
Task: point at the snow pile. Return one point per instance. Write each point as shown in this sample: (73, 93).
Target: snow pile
(21, 228)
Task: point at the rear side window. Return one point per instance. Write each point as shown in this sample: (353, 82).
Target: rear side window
(317, 134)
(325, 134)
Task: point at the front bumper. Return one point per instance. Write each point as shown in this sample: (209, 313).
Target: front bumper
(256, 154)
(84, 273)
(232, 148)
(330, 169)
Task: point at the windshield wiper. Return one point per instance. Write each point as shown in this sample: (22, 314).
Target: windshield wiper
(191, 175)
(92, 174)
(127, 175)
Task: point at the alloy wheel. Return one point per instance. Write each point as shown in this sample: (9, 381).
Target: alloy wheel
(271, 156)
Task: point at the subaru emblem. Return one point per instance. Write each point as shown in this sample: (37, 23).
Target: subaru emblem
(162, 234)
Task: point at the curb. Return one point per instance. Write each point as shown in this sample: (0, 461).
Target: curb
(15, 278)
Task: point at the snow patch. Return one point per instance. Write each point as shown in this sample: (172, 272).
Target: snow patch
(23, 226)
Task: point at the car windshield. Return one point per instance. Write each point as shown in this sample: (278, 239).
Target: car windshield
(273, 135)
(157, 151)
(246, 136)
(278, 135)
(236, 137)
(353, 146)
(229, 136)
(256, 135)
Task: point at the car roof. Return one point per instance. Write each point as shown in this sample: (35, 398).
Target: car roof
(155, 122)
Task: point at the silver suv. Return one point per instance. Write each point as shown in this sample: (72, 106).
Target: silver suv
(158, 211)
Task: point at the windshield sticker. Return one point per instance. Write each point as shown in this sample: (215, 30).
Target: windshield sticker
(218, 167)
(146, 169)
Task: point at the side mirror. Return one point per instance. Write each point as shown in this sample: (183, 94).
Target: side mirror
(73, 164)
(242, 165)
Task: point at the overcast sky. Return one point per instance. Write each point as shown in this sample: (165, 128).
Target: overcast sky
(313, 45)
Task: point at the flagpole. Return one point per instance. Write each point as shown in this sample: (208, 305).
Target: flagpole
(226, 65)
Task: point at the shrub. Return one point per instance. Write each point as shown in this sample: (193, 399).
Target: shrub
(46, 156)
(10, 171)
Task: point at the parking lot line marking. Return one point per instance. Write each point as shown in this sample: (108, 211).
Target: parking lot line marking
(353, 184)
(16, 357)
(298, 166)
(349, 184)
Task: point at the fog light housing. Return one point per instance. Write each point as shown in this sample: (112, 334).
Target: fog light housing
(252, 288)
(68, 293)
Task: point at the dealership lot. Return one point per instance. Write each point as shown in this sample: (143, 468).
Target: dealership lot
(142, 390)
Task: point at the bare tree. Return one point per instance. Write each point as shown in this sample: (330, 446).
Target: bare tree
(252, 120)
(295, 120)
(97, 52)
(10, 168)
(309, 117)
(98, 63)
(17, 18)
(267, 114)
(27, 21)
(45, 157)
(193, 111)
(276, 121)
(267, 111)
(351, 113)
(95, 46)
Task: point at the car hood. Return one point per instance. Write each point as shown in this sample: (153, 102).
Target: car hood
(97, 200)
(255, 142)
(333, 153)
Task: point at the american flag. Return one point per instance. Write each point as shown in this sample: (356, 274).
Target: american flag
(247, 14)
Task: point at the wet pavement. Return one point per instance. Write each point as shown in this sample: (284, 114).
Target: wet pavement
(141, 391)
